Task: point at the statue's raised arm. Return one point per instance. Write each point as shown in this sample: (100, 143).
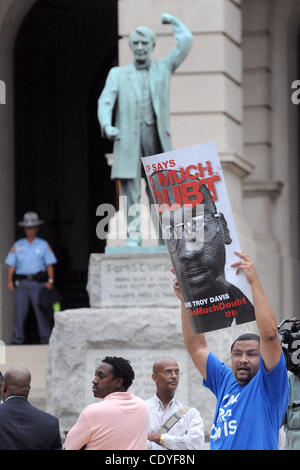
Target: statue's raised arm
(184, 40)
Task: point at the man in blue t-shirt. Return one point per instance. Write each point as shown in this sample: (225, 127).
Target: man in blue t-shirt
(252, 395)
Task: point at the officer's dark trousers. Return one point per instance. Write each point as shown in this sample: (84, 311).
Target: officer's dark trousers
(26, 292)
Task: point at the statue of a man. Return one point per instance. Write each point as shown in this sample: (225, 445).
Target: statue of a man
(139, 95)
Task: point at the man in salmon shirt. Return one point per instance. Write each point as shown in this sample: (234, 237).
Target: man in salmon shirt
(120, 421)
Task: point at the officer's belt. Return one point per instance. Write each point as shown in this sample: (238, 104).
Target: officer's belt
(42, 276)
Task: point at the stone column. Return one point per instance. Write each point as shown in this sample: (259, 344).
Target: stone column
(206, 90)
(285, 148)
(12, 13)
(264, 189)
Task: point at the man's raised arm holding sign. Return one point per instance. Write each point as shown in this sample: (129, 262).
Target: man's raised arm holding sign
(252, 395)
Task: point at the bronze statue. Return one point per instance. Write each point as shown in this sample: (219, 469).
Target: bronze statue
(139, 95)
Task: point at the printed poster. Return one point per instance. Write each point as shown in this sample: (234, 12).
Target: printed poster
(190, 195)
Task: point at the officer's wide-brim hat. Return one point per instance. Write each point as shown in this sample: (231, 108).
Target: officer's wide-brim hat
(31, 219)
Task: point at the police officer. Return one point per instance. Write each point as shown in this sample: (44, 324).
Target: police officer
(30, 264)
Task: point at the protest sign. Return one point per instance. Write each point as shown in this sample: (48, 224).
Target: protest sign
(190, 195)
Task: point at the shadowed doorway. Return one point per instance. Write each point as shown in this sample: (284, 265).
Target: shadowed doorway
(63, 52)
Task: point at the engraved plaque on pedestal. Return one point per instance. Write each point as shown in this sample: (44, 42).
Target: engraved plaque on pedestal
(135, 280)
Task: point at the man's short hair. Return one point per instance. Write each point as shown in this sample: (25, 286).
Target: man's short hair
(246, 337)
(121, 368)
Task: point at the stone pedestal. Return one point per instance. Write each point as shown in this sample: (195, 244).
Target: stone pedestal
(135, 315)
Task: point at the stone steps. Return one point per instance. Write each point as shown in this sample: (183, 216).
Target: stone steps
(33, 358)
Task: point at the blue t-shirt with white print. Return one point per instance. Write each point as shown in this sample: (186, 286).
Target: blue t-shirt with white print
(248, 417)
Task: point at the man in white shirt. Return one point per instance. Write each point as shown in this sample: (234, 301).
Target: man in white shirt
(185, 429)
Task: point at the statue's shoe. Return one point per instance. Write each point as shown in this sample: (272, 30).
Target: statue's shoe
(132, 243)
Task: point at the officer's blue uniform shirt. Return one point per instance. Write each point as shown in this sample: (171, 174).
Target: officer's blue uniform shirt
(30, 258)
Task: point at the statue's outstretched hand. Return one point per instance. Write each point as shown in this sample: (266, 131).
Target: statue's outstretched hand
(112, 133)
(166, 18)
